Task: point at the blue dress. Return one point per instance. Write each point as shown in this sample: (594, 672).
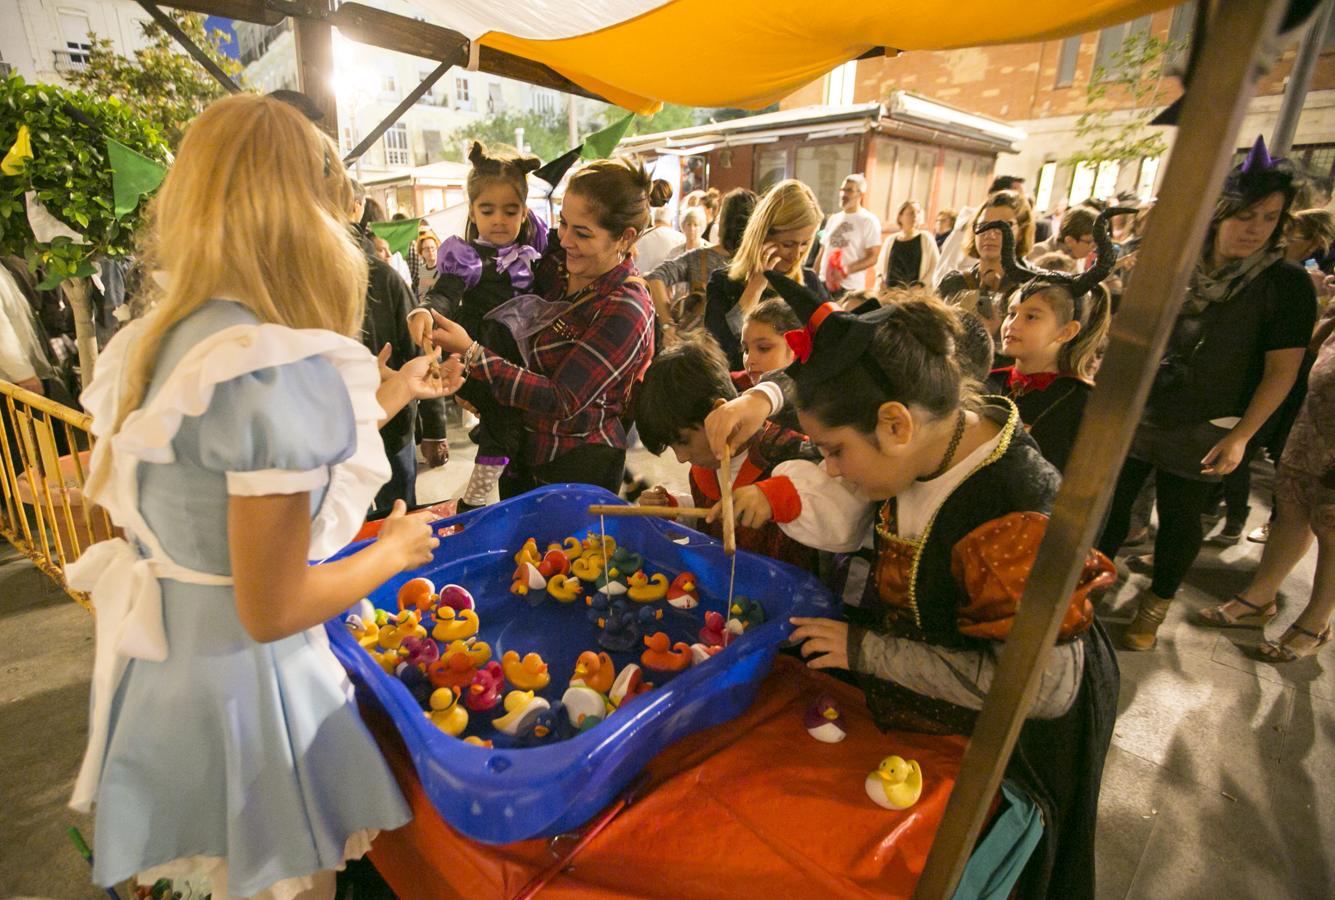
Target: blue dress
(228, 748)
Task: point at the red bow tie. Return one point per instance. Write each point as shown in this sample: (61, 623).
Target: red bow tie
(1039, 381)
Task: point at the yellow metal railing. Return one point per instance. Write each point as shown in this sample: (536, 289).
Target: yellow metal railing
(44, 513)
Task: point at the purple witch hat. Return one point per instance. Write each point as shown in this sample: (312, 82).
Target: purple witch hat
(1260, 174)
(1258, 160)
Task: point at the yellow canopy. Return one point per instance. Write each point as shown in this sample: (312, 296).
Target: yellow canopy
(750, 53)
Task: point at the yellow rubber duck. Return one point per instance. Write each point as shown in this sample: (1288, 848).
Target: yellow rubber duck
(896, 783)
(528, 553)
(643, 589)
(603, 546)
(587, 567)
(527, 578)
(564, 588)
(527, 674)
(478, 652)
(454, 625)
(387, 659)
(406, 623)
(571, 547)
(518, 706)
(366, 633)
(447, 713)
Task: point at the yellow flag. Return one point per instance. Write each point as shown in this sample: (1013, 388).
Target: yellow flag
(22, 150)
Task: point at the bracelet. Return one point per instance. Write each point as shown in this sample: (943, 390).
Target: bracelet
(470, 358)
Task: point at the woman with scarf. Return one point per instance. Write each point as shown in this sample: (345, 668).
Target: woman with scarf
(1233, 356)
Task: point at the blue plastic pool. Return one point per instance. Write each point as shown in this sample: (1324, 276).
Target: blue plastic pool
(507, 794)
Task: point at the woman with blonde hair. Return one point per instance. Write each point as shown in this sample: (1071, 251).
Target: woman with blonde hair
(776, 239)
(237, 440)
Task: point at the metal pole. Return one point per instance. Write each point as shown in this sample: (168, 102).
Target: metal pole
(1300, 80)
(1211, 114)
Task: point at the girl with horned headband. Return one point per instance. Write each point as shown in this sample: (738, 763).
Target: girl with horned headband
(950, 497)
(1054, 326)
(1233, 356)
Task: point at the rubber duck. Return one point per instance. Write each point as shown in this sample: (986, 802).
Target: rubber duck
(364, 632)
(571, 547)
(417, 683)
(456, 597)
(824, 722)
(528, 553)
(896, 783)
(626, 560)
(454, 625)
(419, 594)
(405, 624)
(387, 659)
(419, 652)
(520, 706)
(564, 588)
(484, 691)
(527, 578)
(546, 726)
(477, 741)
(587, 567)
(596, 606)
(554, 562)
(643, 589)
(629, 684)
(451, 670)
(594, 670)
(745, 613)
(682, 592)
(478, 652)
(584, 706)
(447, 713)
(527, 674)
(619, 628)
(661, 657)
(604, 545)
(702, 652)
(714, 631)
(611, 582)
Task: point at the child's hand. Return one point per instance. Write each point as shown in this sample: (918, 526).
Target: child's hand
(734, 422)
(824, 636)
(750, 507)
(655, 496)
(408, 539)
(449, 335)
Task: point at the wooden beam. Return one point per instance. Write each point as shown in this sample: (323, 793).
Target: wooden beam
(404, 105)
(315, 68)
(1212, 112)
(168, 24)
(244, 10)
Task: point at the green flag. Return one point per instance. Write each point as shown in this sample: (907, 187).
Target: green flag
(600, 144)
(399, 234)
(132, 176)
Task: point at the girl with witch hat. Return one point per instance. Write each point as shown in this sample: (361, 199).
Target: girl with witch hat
(1233, 355)
(1053, 328)
(953, 496)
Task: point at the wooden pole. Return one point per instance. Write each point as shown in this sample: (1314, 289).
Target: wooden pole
(169, 25)
(1211, 114)
(314, 44)
(658, 512)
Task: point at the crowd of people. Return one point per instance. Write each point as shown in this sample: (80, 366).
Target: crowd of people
(898, 409)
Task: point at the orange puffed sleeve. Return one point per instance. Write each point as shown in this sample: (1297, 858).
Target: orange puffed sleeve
(992, 564)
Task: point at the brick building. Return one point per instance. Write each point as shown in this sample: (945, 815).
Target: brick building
(1041, 89)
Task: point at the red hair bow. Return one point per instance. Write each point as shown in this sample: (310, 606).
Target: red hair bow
(800, 340)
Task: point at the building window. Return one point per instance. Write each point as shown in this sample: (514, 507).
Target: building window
(396, 145)
(771, 168)
(74, 28)
(389, 84)
(840, 84)
(1149, 171)
(823, 168)
(1105, 179)
(348, 141)
(544, 103)
(1066, 62)
(1111, 41)
(1047, 178)
(1082, 183)
(495, 101)
(461, 93)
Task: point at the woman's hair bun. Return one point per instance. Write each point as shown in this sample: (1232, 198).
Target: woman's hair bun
(930, 322)
(660, 192)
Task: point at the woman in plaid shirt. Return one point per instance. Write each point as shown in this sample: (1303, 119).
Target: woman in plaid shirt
(595, 345)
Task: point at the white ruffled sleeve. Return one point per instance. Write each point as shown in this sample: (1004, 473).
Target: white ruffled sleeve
(834, 516)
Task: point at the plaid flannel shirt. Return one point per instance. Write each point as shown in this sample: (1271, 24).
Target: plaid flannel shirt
(584, 366)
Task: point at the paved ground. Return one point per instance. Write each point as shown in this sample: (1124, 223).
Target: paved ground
(1214, 787)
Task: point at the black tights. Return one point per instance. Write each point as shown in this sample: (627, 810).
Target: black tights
(1180, 502)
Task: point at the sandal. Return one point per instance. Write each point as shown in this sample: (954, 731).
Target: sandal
(1219, 616)
(1280, 651)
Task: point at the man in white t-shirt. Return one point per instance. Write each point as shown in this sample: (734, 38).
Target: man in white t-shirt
(852, 241)
(659, 244)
